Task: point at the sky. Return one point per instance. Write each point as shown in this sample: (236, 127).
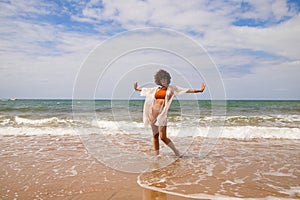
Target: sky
(253, 44)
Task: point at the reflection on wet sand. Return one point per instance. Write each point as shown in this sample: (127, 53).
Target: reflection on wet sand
(233, 169)
(58, 167)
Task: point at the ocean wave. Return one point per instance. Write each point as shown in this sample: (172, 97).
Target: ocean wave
(42, 122)
(238, 127)
(116, 125)
(33, 127)
(37, 131)
(250, 132)
(291, 121)
(27, 121)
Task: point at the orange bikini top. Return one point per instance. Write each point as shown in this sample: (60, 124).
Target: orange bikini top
(161, 93)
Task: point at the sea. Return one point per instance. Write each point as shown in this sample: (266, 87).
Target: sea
(230, 149)
(240, 119)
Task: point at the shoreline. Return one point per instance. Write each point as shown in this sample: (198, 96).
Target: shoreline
(234, 169)
(59, 167)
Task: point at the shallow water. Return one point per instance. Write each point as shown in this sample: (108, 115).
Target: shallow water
(209, 168)
(43, 166)
(57, 167)
(259, 169)
(255, 152)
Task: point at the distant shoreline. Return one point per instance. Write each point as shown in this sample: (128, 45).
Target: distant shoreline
(63, 99)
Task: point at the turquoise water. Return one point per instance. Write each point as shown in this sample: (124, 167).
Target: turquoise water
(240, 115)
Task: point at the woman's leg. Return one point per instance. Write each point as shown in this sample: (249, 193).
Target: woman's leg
(163, 134)
(156, 144)
(166, 140)
(155, 139)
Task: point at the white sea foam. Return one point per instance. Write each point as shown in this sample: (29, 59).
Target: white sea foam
(109, 125)
(241, 132)
(293, 191)
(4, 122)
(250, 132)
(254, 120)
(37, 131)
(55, 125)
(213, 197)
(38, 122)
(238, 132)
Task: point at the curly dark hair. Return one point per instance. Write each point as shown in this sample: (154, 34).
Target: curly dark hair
(162, 74)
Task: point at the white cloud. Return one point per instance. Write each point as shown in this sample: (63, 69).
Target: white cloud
(45, 51)
(29, 8)
(173, 14)
(213, 20)
(40, 60)
(279, 81)
(279, 39)
(271, 10)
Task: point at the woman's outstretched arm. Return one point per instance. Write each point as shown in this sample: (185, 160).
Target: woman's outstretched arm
(197, 91)
(135, 85)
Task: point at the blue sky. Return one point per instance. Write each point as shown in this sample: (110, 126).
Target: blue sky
(255, 44)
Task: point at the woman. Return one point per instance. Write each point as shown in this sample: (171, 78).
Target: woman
(157, 103)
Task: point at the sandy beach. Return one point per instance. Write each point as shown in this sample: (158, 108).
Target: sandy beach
(58, 167)
(46, 153)
(234, 169)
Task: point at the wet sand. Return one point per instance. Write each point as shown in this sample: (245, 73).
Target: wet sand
(243, 169)
(58, 167)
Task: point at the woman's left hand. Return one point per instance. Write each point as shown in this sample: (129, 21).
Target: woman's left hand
(202, 87)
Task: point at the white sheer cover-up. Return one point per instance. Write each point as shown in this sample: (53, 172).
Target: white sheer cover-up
(161, 119)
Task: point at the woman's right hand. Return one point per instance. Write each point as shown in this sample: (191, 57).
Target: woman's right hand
(135, 85)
